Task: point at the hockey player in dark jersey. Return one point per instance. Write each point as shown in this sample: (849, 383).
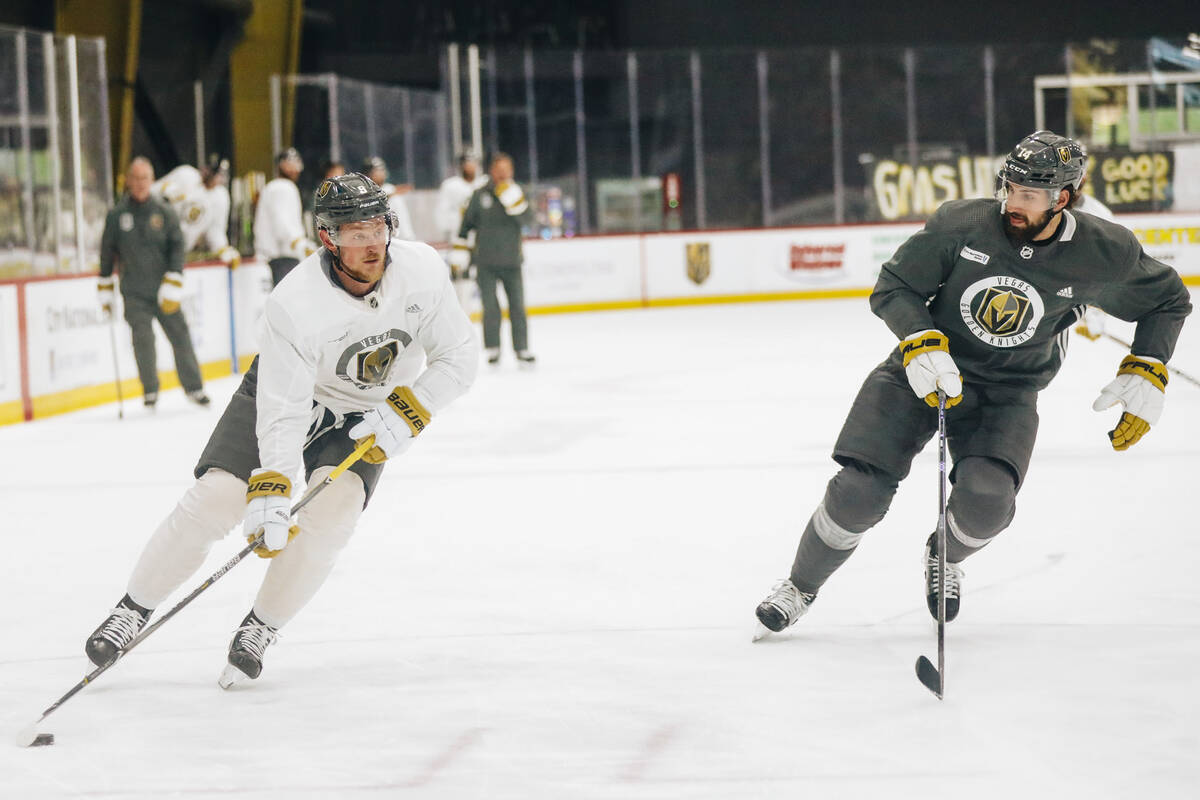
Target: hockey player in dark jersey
(982, 301)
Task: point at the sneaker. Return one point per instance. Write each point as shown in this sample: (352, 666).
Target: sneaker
(954, 576)
(493, 355)
(149, 399)
(250, 640)
(526, 358)
(783, 606)
(108, 642)
(198, 397)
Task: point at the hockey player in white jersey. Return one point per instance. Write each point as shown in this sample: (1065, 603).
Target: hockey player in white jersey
(452, 198)
(362, 338)
(201, 200)
(279, 235)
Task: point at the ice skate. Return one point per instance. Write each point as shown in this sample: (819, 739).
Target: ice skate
(493, 355)
(526, 359)
(108, 642)
(246, 651)
(783, 606)
(954, 576)
(199, 397)
(150, 400)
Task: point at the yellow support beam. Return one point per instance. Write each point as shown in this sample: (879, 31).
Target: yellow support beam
(120, 23)
(269, 46)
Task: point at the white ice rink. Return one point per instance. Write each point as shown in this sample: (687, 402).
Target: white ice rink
(552, 595)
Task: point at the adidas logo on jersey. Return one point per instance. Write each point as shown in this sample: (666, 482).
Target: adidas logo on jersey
(1067, 292)
(413, 309)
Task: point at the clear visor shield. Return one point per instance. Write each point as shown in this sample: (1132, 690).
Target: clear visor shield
(1035, 199)
(372, 232)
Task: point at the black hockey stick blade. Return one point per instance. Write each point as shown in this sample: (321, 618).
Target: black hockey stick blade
(928, 674)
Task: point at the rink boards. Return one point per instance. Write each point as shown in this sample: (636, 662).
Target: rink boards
(57, 349)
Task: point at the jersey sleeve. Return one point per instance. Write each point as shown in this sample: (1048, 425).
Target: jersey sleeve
(287, 374)
(1153, 295)
(470, 220)
(451, 352)
(174, 240)
(108, 244)
(913, 275)
(217, 235)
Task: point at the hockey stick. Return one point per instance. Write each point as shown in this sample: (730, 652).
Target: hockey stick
(934, 678)
(1087, 333)
(29, 736)
(112, 339)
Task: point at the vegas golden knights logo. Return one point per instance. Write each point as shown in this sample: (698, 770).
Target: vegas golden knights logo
(324, 190)
(699, 262)
(374, 365)
(1064, 154)
(368, 362)
(1002, 312)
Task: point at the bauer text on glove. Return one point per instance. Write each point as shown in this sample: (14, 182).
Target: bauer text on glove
(394, 422)
(269, 511)
(1140, 387)
(929, 367)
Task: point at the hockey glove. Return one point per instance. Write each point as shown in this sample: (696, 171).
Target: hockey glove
(512, 198)
(1140, 387)
(269, 511)
(1091, 326)
(460, 260)
(395, 422)
(929, 367)
(170, 292)
(104, 287)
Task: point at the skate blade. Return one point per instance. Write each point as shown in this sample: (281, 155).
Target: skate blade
(231, 676)
(760, 632)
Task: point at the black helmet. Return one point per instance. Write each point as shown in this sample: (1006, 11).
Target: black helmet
(349, 198)
(1045, 160)
(373, 163)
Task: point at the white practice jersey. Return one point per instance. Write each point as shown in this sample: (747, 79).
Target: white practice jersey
(399, 207)
(1090, 205)
(452, 198)
(319, 343)
(279, 222)
(203, 213)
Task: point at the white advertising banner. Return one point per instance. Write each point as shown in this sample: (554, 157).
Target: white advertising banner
(10, 346)
(602, 269)
(251, 285)
(1171, 238)
(70, 344)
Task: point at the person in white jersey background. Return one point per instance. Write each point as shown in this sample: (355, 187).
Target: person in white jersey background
(279, 235)
(200, 198)
(453, 196)
(363, 338)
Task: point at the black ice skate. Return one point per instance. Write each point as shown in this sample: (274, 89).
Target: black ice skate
(783, 606)
(246, 651)
(108, 642)
(150, 400)
(954, 576)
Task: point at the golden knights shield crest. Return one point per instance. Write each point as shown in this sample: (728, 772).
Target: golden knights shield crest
(699, 262)
(1064, 154)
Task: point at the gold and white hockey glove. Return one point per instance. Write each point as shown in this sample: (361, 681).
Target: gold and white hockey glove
(929, 367)
(1140, 387)
(459, 259)
(269, 511)
(395, 422)
(104, 290)
(170, 292)
(512, 197)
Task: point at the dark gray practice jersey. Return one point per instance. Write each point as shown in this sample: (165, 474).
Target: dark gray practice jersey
(1007, 309)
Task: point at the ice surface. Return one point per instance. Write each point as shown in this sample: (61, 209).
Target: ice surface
(552, 595)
